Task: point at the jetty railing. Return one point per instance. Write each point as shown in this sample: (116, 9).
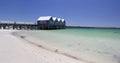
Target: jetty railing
(18, 25)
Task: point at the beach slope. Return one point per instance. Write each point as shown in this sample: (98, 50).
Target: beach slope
(15, 50)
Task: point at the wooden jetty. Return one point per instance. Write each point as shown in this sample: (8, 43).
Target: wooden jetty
(43, 22)
(18, 25)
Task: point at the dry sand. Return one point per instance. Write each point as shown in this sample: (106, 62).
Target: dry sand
(15, 50)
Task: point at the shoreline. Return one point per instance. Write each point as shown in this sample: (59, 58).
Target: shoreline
(54, 50)
(16, 50)
(56, 42)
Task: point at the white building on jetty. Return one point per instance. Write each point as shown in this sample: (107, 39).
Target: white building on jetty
(49, 22)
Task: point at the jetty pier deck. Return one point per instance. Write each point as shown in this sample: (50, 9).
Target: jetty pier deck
(18, 25)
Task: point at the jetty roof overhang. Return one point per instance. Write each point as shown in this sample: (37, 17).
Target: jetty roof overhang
(44, 18)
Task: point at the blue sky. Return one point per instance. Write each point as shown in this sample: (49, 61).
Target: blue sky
(100, 13)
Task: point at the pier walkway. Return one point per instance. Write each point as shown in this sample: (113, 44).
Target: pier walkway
(18, 25)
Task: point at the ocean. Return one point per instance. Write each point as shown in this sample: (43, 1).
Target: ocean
(94, 45)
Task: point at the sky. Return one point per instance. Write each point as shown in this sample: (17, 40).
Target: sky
(92, 13)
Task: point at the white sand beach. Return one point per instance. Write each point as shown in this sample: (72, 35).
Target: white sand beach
(15, 50)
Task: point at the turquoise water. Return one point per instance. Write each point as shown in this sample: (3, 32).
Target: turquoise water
(89, 44)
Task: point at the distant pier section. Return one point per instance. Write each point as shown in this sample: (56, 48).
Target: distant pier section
(43, 22)
(17, 25)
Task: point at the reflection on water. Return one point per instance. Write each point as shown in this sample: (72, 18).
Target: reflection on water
(94, 45)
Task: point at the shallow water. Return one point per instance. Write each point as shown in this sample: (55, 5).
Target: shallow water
(89, 44)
